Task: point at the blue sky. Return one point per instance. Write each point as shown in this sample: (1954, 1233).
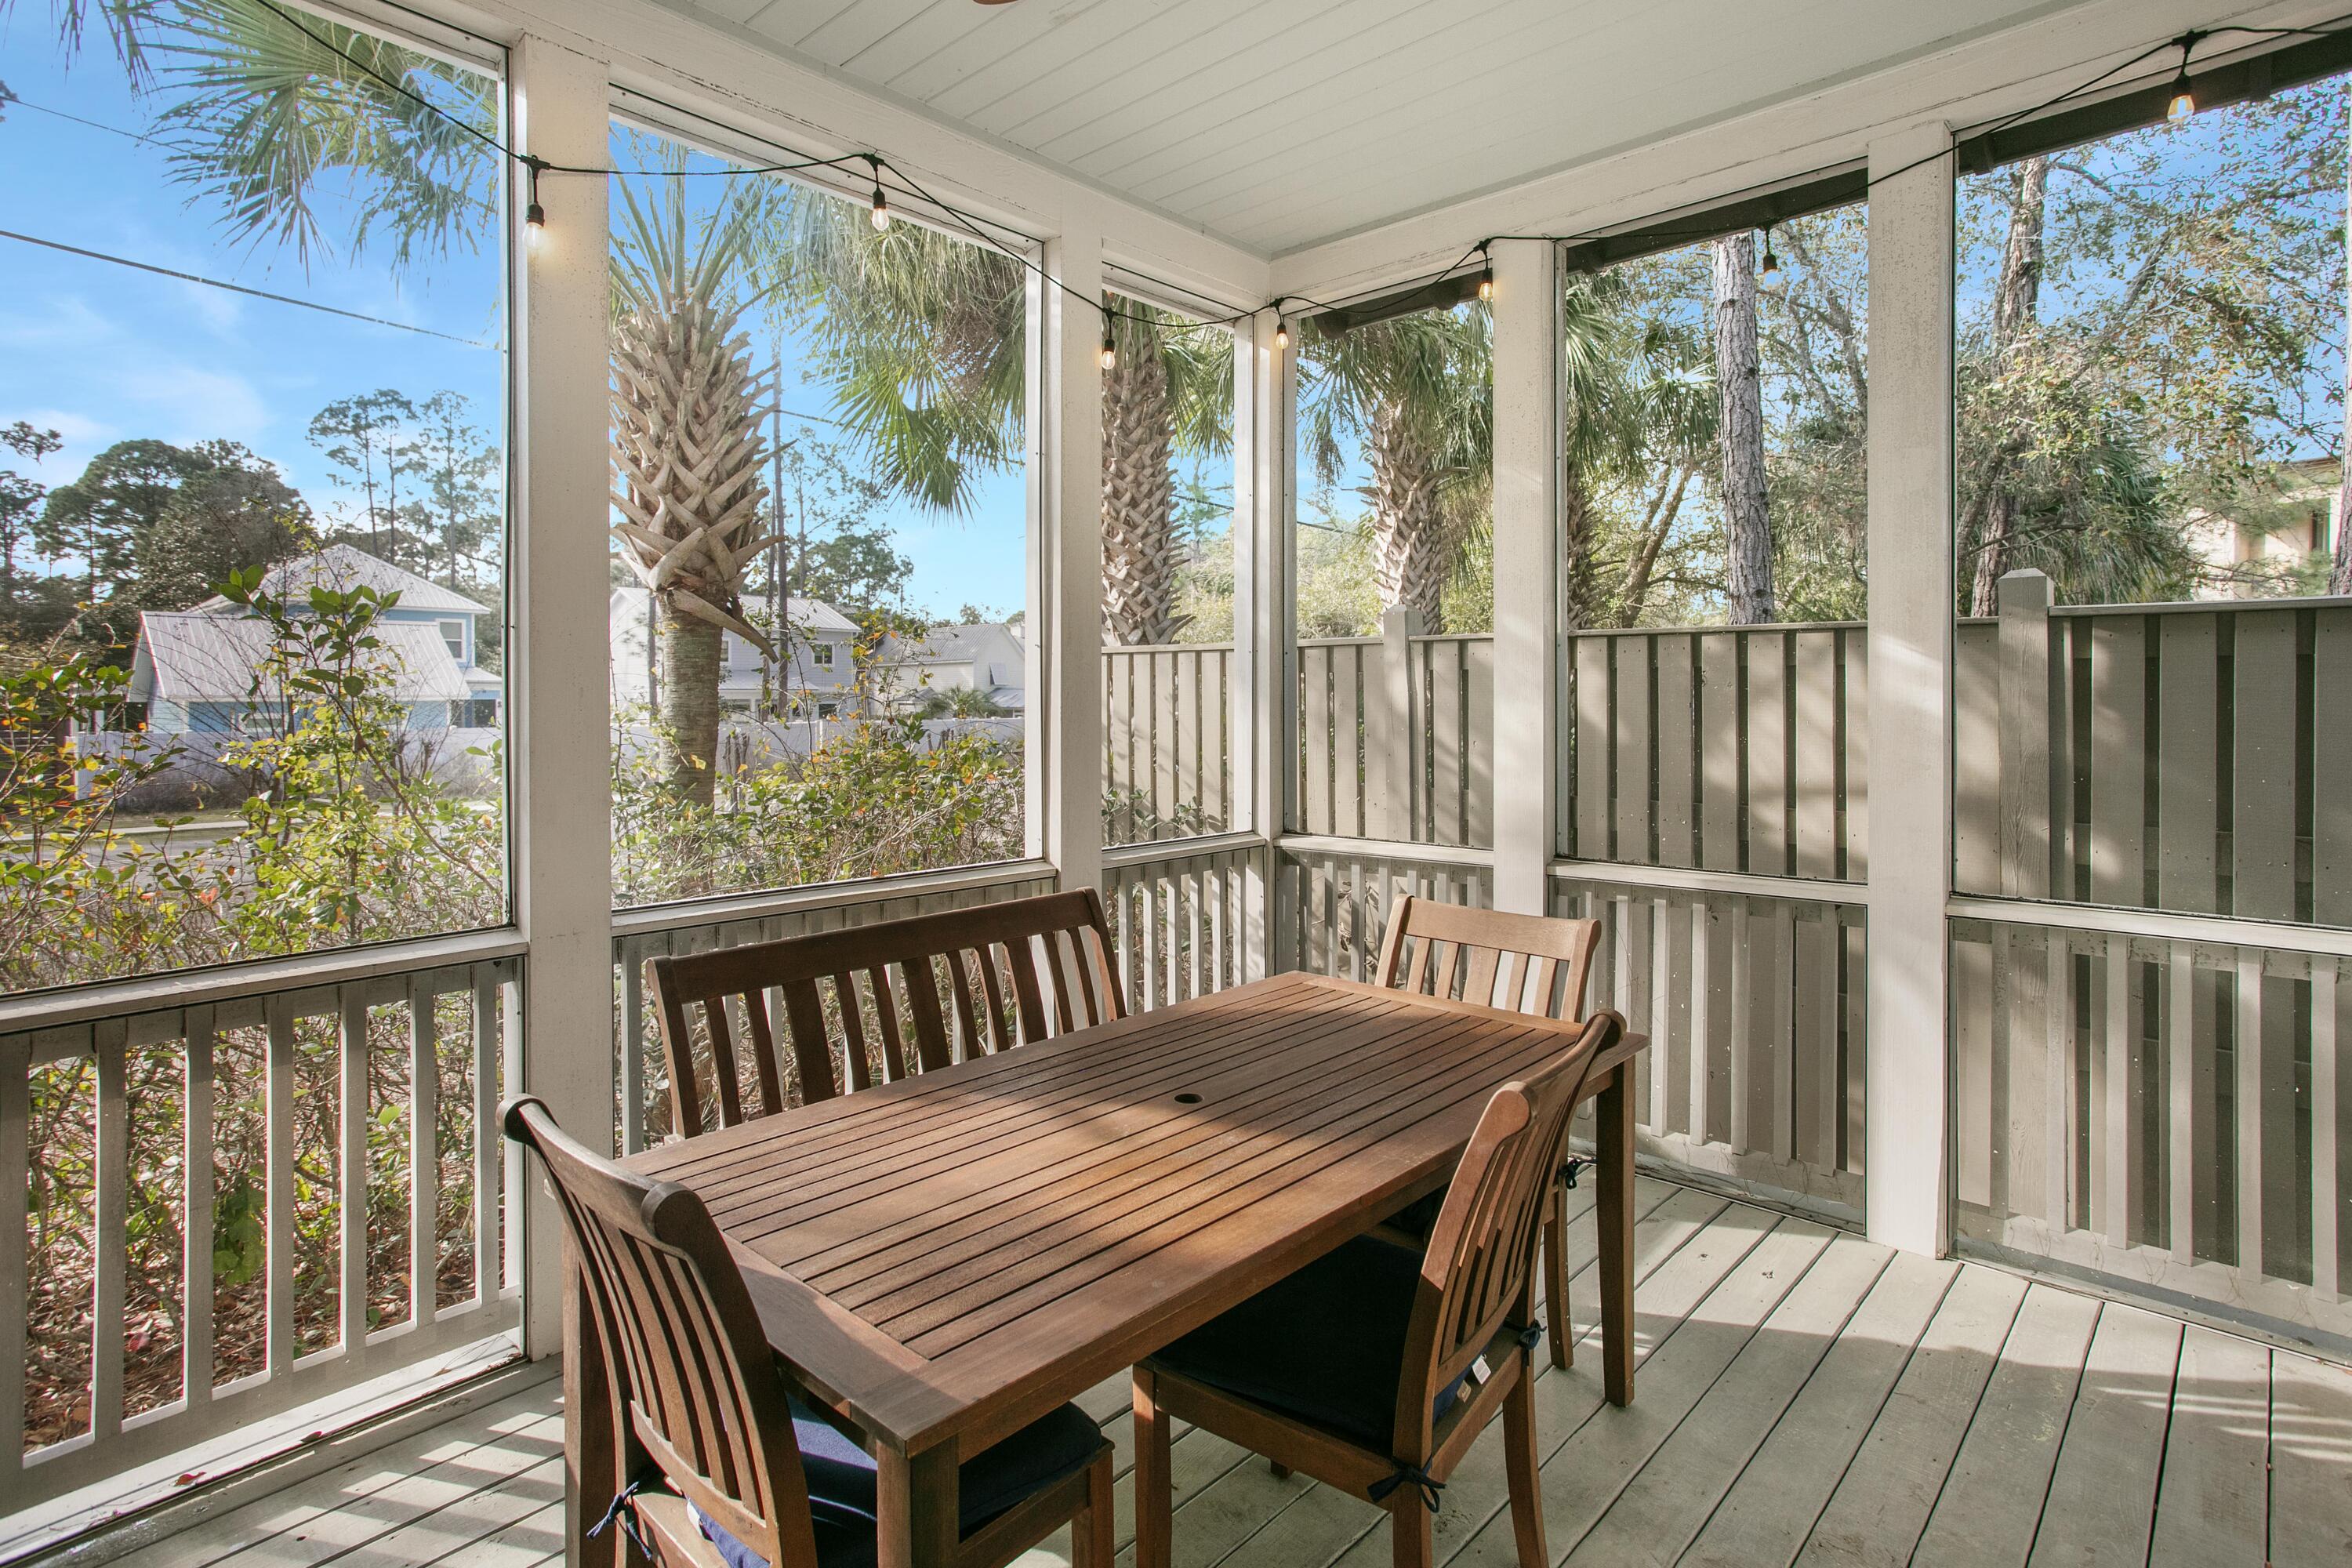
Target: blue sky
(102, 352)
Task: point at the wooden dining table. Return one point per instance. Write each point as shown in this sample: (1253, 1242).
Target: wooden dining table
(945, 1259)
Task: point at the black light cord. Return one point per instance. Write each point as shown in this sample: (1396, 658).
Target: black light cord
(878, 164)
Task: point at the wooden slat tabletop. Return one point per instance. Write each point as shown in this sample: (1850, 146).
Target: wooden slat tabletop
(954, 1254)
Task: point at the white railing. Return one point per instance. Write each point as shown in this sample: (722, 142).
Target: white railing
(1753, 1004)
(641, 1098)
(2164, 1111)
(1332, 897)
(1185, 916)
(224, 1195)
(1167, 742)
(1736, 749)
(2165, 756)
(1396, 737)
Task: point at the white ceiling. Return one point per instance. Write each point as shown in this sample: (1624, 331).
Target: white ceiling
(1276, 124)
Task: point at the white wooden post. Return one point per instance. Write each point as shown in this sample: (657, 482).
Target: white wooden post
(1527, 608)
(1260, 693)
(1066, 597)
(1910, 543)
(559, 720)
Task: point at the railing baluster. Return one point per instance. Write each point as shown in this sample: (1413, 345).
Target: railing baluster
(2249, 1109)
(423, 1152)
(199, 1179)
(488, 1159)
(1169, 889)
(2326, 1277)
(352, 1174)
(110, 1043)
(15, 1114)
(278, 1202)
(632, 1043)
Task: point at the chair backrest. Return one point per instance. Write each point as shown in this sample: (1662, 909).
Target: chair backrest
(1445, 950)
(695, 1384)
(1478, 1272)
(897, 995)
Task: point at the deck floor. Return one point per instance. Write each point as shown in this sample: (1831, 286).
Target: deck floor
(1804, 1397)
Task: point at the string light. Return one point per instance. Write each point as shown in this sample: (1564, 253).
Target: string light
(1109, 350)
(1487, 285)
(1770, 279)
(534, 216)
(2184, 97)
(2183, 105)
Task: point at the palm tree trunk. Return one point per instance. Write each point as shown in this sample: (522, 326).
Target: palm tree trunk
(2016, 302)
(1408, 527)
(1746, 516)
(1579, 593)
(1138, 498)
(692, 653)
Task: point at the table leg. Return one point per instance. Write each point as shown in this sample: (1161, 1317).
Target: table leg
(1614, 1148)
(591, 1462)
(916, 1500)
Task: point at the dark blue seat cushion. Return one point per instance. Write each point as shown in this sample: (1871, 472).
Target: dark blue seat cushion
(842, 1482)
(1419, 1217)
(1325, 1344)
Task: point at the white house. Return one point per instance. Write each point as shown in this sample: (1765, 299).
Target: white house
(195, 669)
(986, 657)
(2245, 562)
(821, 683)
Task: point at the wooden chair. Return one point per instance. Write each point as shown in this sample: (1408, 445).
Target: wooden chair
(1374, 1368)
(1026, 969)
(1460, 953)
(724, 1457)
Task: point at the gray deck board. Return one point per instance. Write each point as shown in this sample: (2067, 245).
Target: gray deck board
(1803, 1396)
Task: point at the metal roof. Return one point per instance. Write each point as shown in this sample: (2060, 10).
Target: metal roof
(344, 567)
(189, 655)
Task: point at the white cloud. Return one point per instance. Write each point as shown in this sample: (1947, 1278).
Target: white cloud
(190, 404)
(62, 320)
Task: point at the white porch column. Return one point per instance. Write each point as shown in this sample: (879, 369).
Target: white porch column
(1261, 518)
(1066, 461)
(559, 717)
(1527, 613)
(1910, 542)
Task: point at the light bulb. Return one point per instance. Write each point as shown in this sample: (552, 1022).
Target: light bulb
(534, 224)
(881, 208)
(1109, 352)
(1770, 279)
(2184, 100)
(1281, 335)
(1487, 285)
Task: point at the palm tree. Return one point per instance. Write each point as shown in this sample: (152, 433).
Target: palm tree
(1171, 391)
(688, 406)
(924, 338)
(266, 112)
(1638, 409)
(1416, 393)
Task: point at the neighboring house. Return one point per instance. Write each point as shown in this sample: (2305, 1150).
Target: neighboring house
(2310, 494)
(823, 678)
(987, 657)
(195, 669)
